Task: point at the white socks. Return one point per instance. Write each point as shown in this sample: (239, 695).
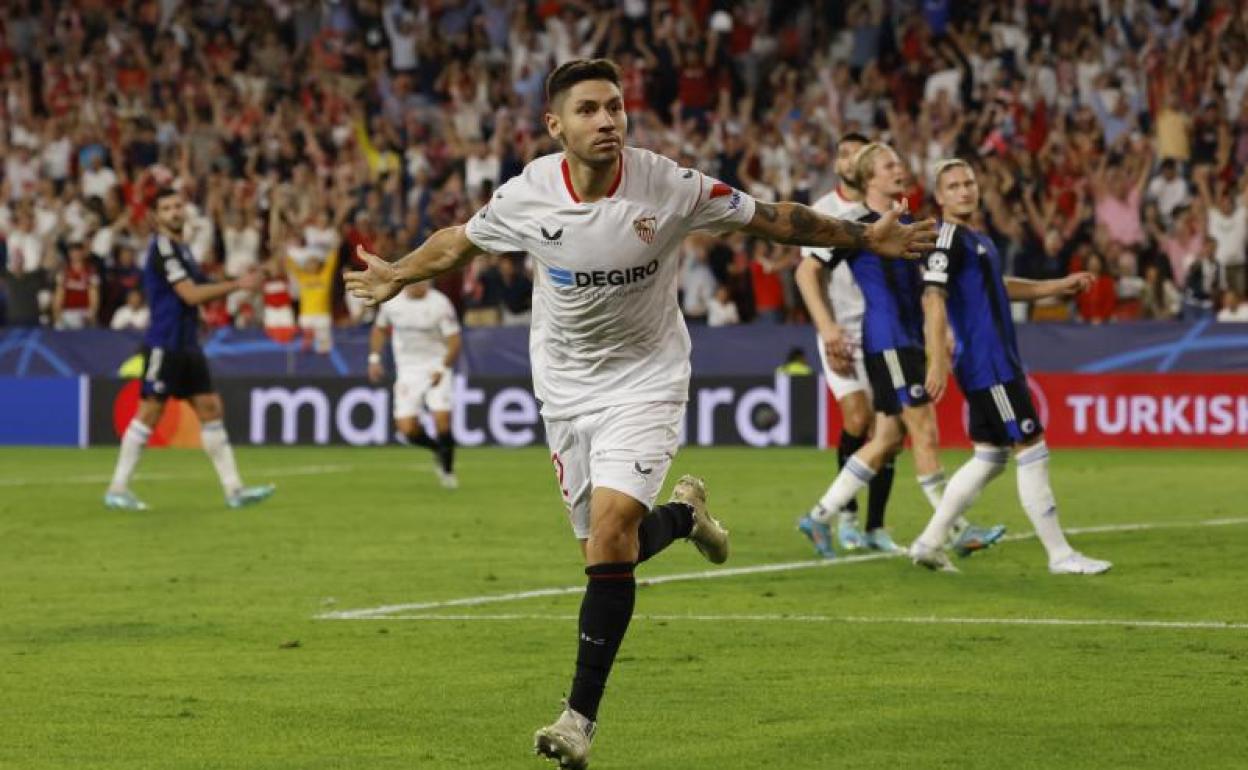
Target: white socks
(963, 488)
(849, 482)
(217, 445)
(132, 443)
(1037, 498)
(933, 487)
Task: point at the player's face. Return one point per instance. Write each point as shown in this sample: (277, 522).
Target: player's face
(171, 213)
(888, 176)
(958, 192)
(845, 152)
(590, 121)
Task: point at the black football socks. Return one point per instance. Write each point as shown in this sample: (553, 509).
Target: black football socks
(879, 489)
(445, 450)
(420, 438)
(605, 612)
(661, 526)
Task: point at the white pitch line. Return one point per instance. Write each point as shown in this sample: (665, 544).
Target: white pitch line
(755, 569)
(296, 470)
(1213, 625)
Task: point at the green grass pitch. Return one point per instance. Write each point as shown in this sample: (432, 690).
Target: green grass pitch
(186, 637)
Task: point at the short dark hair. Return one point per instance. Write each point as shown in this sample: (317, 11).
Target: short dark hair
(162, 193)
(570, 73)
(853, 136)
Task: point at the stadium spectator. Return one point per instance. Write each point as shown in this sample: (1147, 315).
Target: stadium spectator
(1096, 305)
(25, 293)
(363, 120)
(76, 302)
(132, 315)
(721, 310)
(1234, 309)
(1160, 300)
(516, 289)
(1205, 283)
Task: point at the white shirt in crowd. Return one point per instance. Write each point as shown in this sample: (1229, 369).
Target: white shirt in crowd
(697, 284)
(1237, 316)
(26, 246)
(481, 169)
(722, 313)
(97, 183)
(242, 248)
(127, 317)
(419, 327)
(1169, 194)
(320, 240)
(844, 296)
(606, 326)
(1230, 231)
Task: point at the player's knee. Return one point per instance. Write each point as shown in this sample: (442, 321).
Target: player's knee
(856, 422)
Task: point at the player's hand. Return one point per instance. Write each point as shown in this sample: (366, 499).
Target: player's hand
(375, 372)
(377, 283)
(888, 237)
(250, 280)
(435, 378)
(1075, 283)
(838, 350)
(937, 378)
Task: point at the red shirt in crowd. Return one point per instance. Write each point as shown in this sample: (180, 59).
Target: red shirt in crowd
(768, 293)
(78, 282)
(1097, 303)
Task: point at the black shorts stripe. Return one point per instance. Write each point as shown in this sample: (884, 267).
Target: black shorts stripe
(1003, 414)
(897, 379)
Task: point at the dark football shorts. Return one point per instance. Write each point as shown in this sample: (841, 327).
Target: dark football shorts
(176, 373)
(1003, 415)
(897, 377)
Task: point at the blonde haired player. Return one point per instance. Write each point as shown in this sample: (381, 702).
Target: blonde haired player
(610, 351)
(964, 284)
(424, 330)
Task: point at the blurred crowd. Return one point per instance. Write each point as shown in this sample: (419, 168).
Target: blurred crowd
(1108, 136)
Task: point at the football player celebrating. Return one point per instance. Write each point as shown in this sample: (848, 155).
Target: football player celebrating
(609, 348)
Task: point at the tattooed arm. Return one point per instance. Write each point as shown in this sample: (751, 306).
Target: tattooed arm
(799, 225)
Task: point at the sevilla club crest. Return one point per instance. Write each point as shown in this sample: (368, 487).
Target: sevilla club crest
(645, 228)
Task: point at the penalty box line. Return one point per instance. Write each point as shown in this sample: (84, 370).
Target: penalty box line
(391, 610)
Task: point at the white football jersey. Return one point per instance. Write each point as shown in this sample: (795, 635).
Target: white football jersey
(420, 328)
(843, 292)
(606, 327)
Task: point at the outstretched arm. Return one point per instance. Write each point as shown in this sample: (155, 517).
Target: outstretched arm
(199, 293)
(445, 250)
(1023, 290)
(799, 225)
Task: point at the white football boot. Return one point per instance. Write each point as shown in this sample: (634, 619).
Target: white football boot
(932, 558)
(707, 535)
(1078, 564)
(566, 741)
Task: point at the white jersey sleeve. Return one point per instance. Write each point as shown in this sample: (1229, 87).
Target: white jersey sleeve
(716, 206)
(497, 226)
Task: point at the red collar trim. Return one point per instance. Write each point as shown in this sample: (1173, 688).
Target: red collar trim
(567, 179)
